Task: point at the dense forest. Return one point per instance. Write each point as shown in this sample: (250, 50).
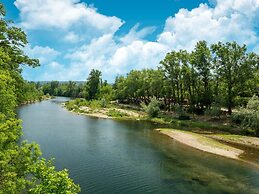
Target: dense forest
(22, 170)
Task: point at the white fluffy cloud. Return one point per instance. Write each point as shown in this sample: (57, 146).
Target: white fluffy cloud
(226, 20)
(44, 54)
(64, 15)
(117, 58)
(136, 34)
(231, 20)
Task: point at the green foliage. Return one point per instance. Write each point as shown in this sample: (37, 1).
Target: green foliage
(214, 110)
(7, 94)
(249, 117)
(153, 108)
(138, 85)
(47, 180)
(116, 114)
(93, 104)
(253, 104)
(234, 67)
(172, 66)
(93, 84)
(181, 112)
(21, 169)
(241, 101)
(201, 59)
(106, 92)
(68, 89)
(103, 103)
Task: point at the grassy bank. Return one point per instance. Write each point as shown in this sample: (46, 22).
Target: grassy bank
(203, 133)
(103, 109)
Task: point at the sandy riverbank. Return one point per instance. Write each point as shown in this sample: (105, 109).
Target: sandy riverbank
(202, 143)
(103, 113)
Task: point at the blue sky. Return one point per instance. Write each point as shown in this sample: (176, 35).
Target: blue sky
(71, 37)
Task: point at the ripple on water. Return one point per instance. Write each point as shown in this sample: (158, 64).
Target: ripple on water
(106, 156)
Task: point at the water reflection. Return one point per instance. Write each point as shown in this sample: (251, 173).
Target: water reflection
(106, 156)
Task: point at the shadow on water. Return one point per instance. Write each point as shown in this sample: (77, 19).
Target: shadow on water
(106, 156)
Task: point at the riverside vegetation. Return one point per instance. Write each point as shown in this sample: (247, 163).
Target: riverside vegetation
(210, 87)
(213, 89)
(22, 170)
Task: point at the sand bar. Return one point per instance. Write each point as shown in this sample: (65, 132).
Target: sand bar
(202, 143)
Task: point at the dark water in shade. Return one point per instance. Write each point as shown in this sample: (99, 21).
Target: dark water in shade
(107, 156)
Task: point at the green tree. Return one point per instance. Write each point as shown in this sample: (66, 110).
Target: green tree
(119, 87)
(21, 169)
(93, 84)
(153, 108)
(172, 66)
(7, 94)
(201, 59)
(106, 92)
(233, 67)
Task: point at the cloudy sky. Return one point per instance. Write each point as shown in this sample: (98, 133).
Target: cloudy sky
(71, 37)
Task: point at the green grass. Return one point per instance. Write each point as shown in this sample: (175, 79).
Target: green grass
(116, 114)
(200, 138)
(163, 118)
(190, 124)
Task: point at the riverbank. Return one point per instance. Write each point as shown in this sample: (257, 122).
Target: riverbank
(202, 143)
(215, 144)
(127, 112)
(95, 109)
(108, 113)
(212, 137)
(41, 98)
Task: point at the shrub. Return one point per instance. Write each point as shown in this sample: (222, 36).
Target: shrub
(103, 103)
(115, 113)
(214, 111)
(70, 105)
(248, 117)
(241, 101)
(152, 109)
(253, 104)
(95, 104)
(182, 114)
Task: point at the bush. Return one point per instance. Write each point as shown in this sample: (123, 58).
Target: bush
(214, 111)
(182, 114)
(152, 109)
(241, 101)
(114, 113)
(253, 104)
(70, 105)
(103, 103)
(248, 117)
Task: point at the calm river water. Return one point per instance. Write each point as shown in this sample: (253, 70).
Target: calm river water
(107, 156)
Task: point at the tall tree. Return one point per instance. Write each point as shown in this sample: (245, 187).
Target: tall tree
(172, 66)
(21, 168)
(201, 59)
(93, 83)
(233, 66)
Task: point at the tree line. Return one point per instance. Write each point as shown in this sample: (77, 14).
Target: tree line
(22, 170)
(223, 74)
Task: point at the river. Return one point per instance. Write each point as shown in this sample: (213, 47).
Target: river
(108, 156)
